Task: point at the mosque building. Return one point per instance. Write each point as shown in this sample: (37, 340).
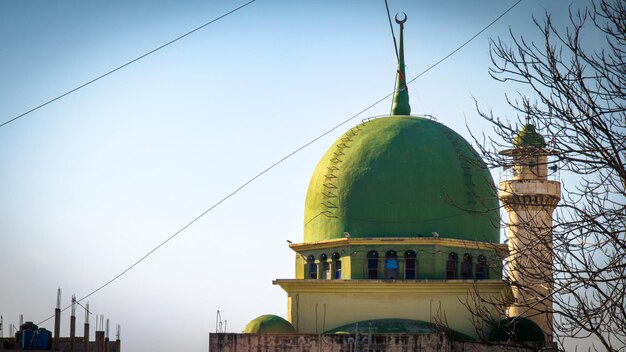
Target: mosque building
(401, 230)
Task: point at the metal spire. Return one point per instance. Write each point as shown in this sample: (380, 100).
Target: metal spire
(401, 96)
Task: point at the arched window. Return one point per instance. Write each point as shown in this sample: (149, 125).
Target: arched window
(337, 261)
(451, 265)
(372, 265)
(466, 267)
(482, 270)
(325, 267)
(391, 265)
(410, 265)
(312, 267)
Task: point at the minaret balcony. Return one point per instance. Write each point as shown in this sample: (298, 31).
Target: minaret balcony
(535, 192)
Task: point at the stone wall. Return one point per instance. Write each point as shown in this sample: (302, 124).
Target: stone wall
(9, 344)
(228, 342)
(231, 342)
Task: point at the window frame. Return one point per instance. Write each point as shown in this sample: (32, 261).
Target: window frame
(324, 267)
(336, 258)
(482, 268)
(410, 257)
(467, 267)
(372, 270)
(311, 268)
(391, 273)
(452, 264)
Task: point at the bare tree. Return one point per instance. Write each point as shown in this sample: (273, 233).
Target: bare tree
(580, 109)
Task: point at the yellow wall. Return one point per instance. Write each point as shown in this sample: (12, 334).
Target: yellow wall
(316, 306)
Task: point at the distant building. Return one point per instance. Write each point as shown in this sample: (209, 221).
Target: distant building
(32, 338)
(402, 225)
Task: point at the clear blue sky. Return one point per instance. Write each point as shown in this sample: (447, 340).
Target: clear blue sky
(93, 181)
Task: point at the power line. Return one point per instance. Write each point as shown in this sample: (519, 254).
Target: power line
(126, 64)
(220, 202)
(276, 164)
(393, 35)
(467, 42)
(395, 45)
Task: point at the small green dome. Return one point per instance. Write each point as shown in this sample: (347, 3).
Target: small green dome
(401, 176)
(517, 330)
(529, 137)
(269, 324)
(398, 326)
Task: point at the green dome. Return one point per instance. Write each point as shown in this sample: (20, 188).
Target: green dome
(529, 137)
(398, 326)
(401, 176)
(517, 330)
(269, 324)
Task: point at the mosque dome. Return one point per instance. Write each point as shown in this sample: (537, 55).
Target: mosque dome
(517, 329)
(269, 324)
(401, 176)
(398, 326)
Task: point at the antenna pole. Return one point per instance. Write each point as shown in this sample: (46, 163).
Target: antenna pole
(86, 329)
(73, 324)
(57, 320)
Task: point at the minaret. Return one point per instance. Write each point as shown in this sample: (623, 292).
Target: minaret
(530, 199)
(401, 95)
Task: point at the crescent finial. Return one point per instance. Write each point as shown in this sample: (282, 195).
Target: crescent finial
(401, 21)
